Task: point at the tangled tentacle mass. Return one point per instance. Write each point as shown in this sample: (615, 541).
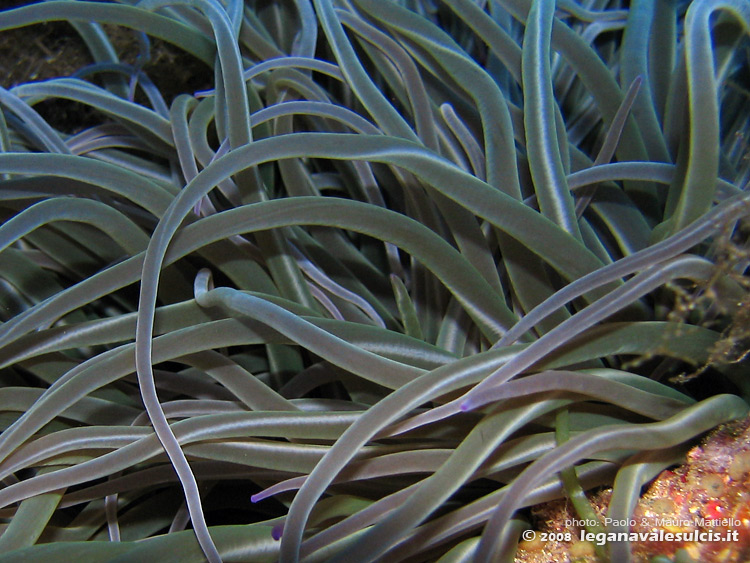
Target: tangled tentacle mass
(399, 270)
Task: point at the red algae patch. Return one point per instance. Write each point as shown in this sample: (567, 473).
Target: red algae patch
(699, 510)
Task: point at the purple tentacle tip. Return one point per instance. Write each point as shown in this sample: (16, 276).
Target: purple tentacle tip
(276, 532)
(466, 405)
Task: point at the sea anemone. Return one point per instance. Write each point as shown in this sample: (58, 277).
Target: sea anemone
(397, 272)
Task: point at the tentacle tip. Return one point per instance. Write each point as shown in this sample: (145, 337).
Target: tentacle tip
(276, 532)
(466, 405)
(203, 284)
